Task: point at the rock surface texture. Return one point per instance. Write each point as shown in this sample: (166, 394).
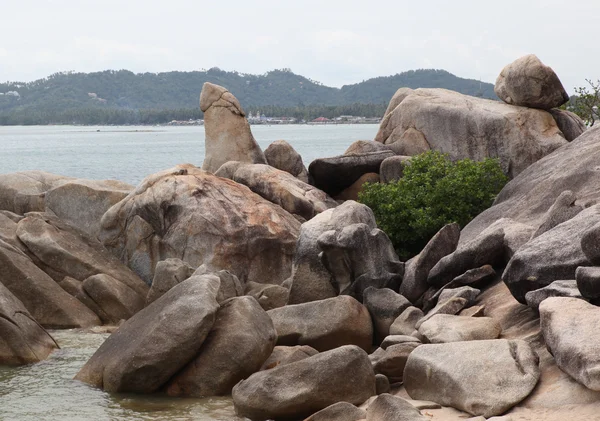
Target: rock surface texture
(227, 132)
(281, 155)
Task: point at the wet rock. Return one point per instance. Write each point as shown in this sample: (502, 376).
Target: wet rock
(116, 300)
(384, 306)
(359, 257)
(310, 280)
(240, 341)
(388, 407)
(282, 355)
(324, 324)
(570, 124)
(281, 155)
(352, 192)
(187, 213)
(417, 269)
(405, 323)
(450, 374)
(333, 175)
(529, 83)
(570, 328)
(302, 388)
(167, 274)
(227, 132)
(555, 289)
(22, 339)
(341, 411)
(443, 328)
(268, 296)
(279, 187)
(155, 344)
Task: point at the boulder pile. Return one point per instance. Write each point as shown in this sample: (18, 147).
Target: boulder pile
(244, 279)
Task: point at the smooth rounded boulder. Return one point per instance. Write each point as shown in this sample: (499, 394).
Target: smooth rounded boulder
(324, 324)
(484, 378)
(152, 346)
(167, 274)
(299, 389)
(281, 155)
(387, 407)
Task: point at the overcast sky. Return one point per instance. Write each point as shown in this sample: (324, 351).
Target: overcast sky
(334, 42)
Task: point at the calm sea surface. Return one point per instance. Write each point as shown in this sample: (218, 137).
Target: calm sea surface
(46, 391)
(131, 153)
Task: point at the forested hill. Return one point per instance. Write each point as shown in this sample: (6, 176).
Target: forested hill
(176, 90)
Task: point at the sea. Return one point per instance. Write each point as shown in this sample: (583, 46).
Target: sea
(46, 390)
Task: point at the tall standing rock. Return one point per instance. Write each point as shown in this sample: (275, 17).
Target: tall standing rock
(227, 132)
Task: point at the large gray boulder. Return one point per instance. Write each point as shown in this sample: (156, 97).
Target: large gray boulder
(227, 132)
(451, 374)
(279, 187)
(570, 327)
(152, 346)
(449, 122)
(281, 155)
(529, 83)
(299, 389)
(333, 175)
(359, 257)
(324, 324)
(187, 213)
(553, 256)
(22, 339)
(310, 280)
(240, 341)
(282, 355)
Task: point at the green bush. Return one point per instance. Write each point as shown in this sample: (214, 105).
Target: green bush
(433, 192)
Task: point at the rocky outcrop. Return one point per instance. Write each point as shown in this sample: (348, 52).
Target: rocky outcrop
(302, 388)
(570, 328)
(469, 127)
(240, 341)
(359, 257)
(587, 282)
(451, 374)
(227, 132)
(310, 280)
(333, 175)
(529, 83)
(22, 339)
(280, 187)
(187, 213)
(281, 155)
(149, 348)
(324, 324)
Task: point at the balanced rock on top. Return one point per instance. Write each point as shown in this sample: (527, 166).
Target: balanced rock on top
(227, 132)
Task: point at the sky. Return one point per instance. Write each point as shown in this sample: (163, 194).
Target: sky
(333, 42)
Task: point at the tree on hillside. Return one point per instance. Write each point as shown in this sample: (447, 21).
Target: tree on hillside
(585, 103)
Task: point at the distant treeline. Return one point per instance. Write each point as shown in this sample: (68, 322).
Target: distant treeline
(117, 116)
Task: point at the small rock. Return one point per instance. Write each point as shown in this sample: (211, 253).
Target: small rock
(365, 146)
(351, 192)
(384, 306)
(382, 384)
(167, 274)
(397, 339)
(281, 155)
(555, 289)
(391, 361)
(588, 282)
(452, 306)
(405, 323)
(268, 296)
(392, 168)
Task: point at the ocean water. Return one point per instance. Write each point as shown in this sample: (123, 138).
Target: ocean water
(130, 153)
(47, 391)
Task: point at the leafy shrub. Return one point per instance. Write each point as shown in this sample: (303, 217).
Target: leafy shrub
(433, 192)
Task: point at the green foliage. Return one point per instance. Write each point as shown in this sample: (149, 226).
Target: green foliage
(586, 103)
(433, 192)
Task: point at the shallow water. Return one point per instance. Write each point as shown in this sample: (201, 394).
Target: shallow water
(130, 153)
(47, 391)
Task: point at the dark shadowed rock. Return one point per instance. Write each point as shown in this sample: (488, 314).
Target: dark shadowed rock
(282, 355)
(561, 211)
(335, 174)
(149, 348)
(417, 269)
(230, 285)
(167, 274)
(281, 155)
(358, 257)
(382, 384)
(388, 407)
(555, 289)
(240, 341)
(443, 328)
(352, 192)
(554, 255)
(570, 124)
(570, 328)
(451, 374)
(587, 279)
(187, 213)
(324, 324)
(590, 244)
(392, 168)
(405, 323)
(268, 296)
(227, 132)
(116, 300)
(529, 83)
(302, 388)
(398, 339)
(341, 411)
(22, 339)
(391, 361)
(384, 306)
(475, 276)
(310, 279)
(75, 288)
